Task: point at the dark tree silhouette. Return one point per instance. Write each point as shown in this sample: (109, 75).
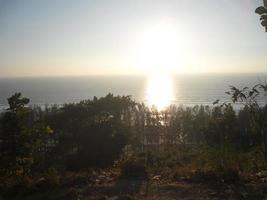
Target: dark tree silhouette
(21, 137)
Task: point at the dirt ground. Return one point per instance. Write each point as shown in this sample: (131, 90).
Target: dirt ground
(121, 189)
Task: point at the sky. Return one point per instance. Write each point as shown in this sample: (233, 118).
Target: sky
(117, 37)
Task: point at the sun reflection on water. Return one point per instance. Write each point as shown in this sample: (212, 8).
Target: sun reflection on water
(159, 91)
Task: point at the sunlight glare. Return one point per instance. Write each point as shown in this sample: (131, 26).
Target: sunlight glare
(159, 48)
(159, 91)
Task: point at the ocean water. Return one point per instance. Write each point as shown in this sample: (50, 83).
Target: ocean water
(188, 89)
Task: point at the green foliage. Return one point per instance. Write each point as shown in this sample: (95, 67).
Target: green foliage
(52, 177)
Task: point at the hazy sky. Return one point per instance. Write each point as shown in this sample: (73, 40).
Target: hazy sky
(88, 37)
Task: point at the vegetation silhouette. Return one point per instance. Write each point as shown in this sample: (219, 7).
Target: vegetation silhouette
(202, 142)
(262, 11)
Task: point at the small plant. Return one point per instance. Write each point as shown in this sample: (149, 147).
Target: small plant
(52, 177)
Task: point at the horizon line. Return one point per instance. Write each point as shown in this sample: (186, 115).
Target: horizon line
(133, 75)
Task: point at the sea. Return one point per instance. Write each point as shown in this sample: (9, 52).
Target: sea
(188, 89)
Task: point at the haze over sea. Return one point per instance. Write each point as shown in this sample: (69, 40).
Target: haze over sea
(189, 89)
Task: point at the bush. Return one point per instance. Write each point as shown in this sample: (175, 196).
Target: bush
(132, 169)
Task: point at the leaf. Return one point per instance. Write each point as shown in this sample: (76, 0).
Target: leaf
(263, 17)
(256, 86)
(256, 95)
(243, 96)
(232, 87)
(234, 99)
(49, 130)
(264, 23)
(224, 104)
(261, 10)
(264, 87)
(215, 102)
(251, 93)
(255, 90)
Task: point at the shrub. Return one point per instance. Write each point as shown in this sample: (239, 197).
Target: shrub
(132, 169)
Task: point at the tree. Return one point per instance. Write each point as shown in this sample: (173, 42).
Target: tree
(21, 137)
(91, 133)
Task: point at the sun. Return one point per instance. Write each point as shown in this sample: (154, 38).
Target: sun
(159, 49)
